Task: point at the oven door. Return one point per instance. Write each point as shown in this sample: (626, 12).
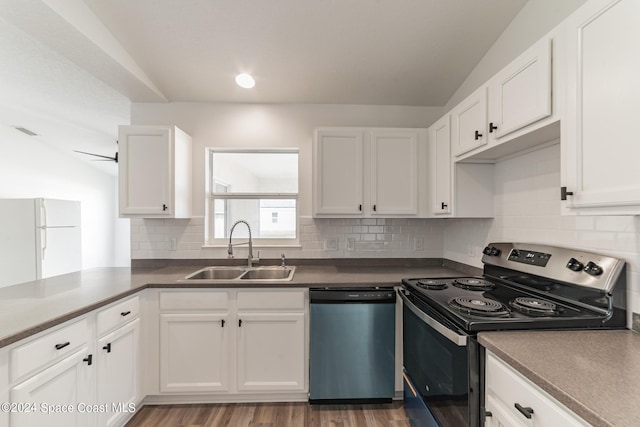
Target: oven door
(442, 365)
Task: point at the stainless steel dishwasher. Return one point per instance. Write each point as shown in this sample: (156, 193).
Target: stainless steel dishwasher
(352, 345)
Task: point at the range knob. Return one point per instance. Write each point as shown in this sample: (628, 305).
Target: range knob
(593, 269)
(491, 251)
(575, 265)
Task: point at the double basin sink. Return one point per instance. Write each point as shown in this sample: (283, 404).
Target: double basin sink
(230, 273)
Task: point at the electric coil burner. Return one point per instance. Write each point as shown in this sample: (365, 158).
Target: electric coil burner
(478, 306)
(432, 284)
(522, 286)
(472, 283)
(534, 306)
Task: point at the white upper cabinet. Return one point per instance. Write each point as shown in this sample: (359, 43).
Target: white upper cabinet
(520, 94)
(601, 150)
(154, 172)
(440, 166)
(512, 112)
(394, 172)
(367, 172)
(469, 123)
(338, 172)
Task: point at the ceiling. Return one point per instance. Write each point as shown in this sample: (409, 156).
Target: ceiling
(99, 56)
(380, 52)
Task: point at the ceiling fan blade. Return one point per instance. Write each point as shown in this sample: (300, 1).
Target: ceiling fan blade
(113, 159)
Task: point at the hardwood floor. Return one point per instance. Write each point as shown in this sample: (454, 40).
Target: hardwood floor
(271, 415)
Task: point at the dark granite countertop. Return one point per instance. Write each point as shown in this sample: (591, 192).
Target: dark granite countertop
(596, 374)
(29, 308)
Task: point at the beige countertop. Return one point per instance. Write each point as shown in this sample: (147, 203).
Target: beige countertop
(29, 308)
(596, 374)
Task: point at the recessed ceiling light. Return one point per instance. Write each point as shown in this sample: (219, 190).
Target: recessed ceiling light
(245, 81)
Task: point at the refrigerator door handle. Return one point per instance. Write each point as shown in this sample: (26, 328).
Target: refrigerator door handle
(44, 228)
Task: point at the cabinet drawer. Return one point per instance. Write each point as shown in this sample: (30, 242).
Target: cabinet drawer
(507, 387)
(185, 300)
(269, 300)
(47, 349)
(117, 315)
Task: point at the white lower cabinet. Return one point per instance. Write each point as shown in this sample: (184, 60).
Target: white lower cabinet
(118, 360)
(194, 352)
(51, 397)
(233, 342)
(271, 351)
(513, 400)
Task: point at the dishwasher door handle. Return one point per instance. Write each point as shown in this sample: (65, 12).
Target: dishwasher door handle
(457, 339)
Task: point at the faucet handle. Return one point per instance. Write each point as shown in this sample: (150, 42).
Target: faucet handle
(282, 257)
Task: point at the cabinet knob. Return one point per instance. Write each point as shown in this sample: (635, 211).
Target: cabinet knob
(564, 193)
(240, 323)
(443, 205)
(478, 135)
(527, 412)
(222, 323)
(374, 208)
(125, 313)
(492, 127)
(107, 347)
(360, 208)
(88, 359)
(164, 207)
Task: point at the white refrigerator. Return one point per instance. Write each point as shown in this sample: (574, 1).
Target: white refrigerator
(39, 238)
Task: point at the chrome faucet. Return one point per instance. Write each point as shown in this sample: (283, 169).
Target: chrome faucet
(250, 258)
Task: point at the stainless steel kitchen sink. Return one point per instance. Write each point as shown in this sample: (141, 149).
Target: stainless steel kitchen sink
(269, 273)
(217, 273)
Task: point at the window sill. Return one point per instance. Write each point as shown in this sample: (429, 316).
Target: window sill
(258, 246)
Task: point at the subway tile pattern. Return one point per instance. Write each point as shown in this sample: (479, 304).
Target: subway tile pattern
(372, 237)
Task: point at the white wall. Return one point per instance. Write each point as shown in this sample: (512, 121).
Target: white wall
(534, 20)
(242, 125)
(30, 168)
(527, 209)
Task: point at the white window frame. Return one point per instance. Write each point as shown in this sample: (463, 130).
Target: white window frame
(210, 240)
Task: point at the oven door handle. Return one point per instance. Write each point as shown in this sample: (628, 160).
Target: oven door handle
(459, 340)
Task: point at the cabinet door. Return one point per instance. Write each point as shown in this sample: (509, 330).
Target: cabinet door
(394, 172)
(271, 352)
(145, 170)
(118, 361)
(469, 120)
(521, 93)
(194, 351)
(602, 150)
(338, 173)
(65, 384)
(497, 416)
(440, 165)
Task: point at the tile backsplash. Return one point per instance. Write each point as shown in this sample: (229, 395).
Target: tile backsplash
(372, 238)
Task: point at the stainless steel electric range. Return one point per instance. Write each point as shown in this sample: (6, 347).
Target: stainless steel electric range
(523, 286)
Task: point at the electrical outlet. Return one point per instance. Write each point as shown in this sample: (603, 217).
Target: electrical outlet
(351, 243)
(173, 244)
(471, 250)
(331, 244)
(418, 243)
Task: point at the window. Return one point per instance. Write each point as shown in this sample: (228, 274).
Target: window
(259, 186)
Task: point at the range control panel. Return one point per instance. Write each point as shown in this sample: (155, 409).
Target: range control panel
(529, 257)
(567, 265)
